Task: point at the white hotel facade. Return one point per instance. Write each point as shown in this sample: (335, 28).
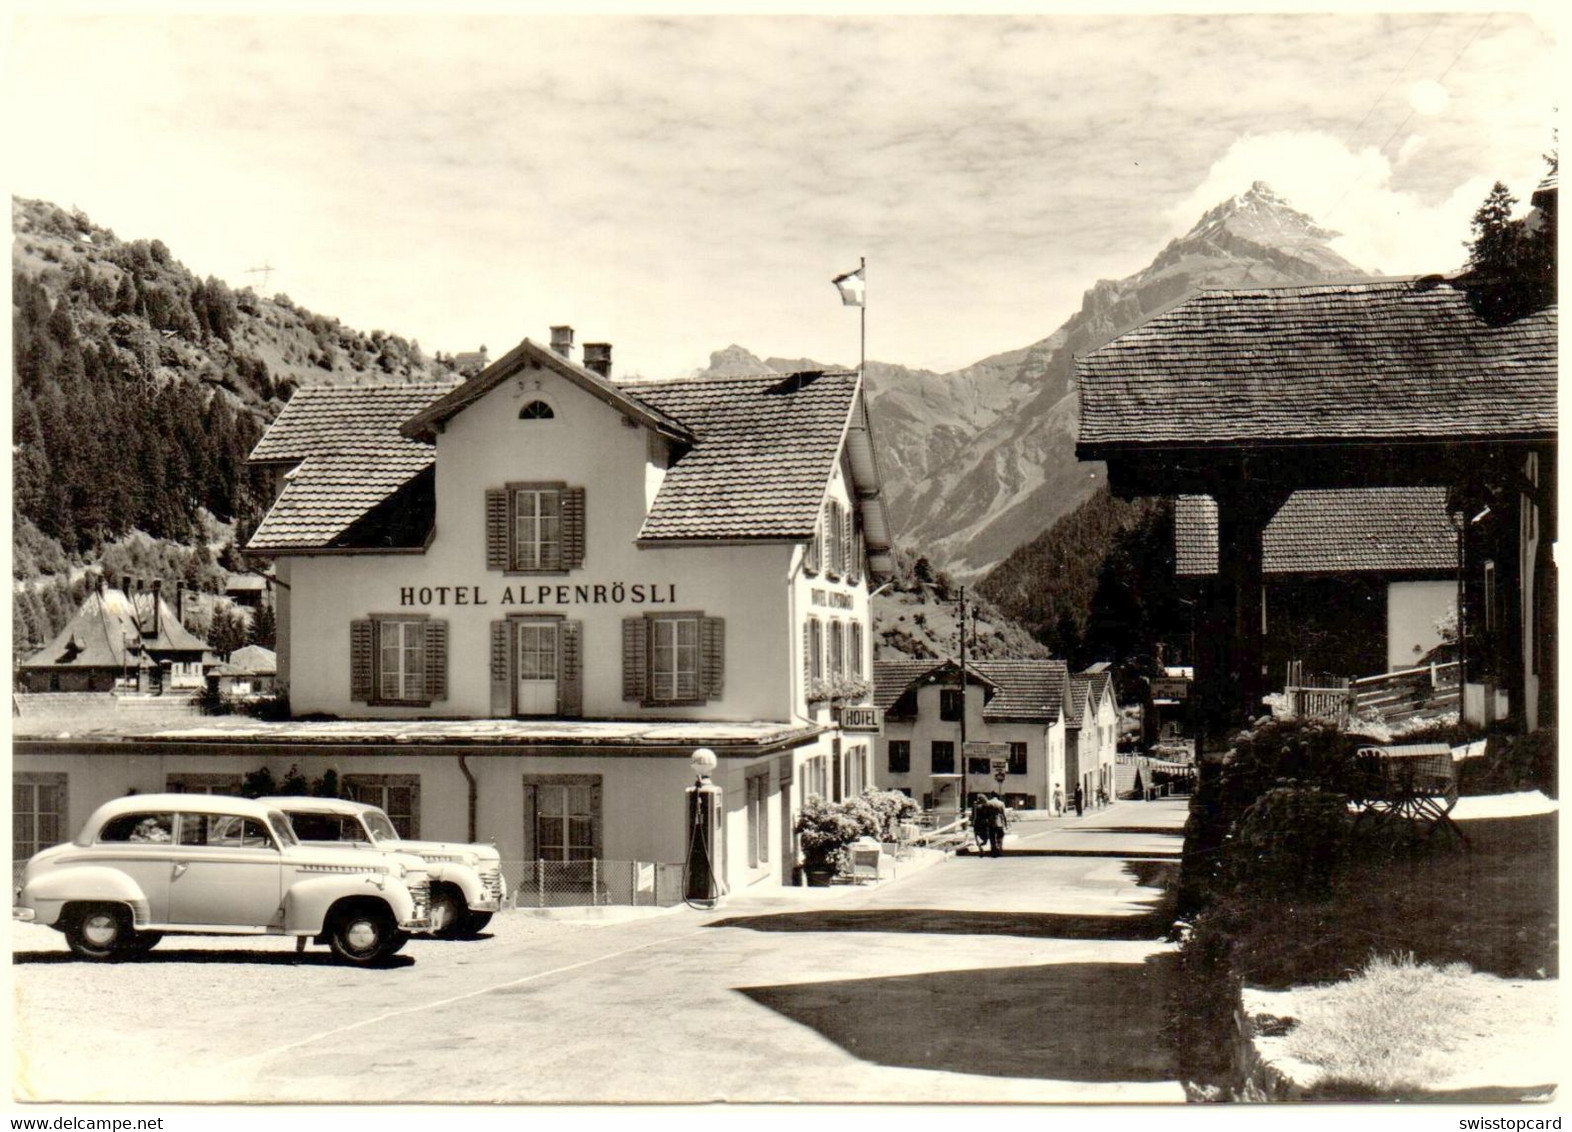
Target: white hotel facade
(512, 608)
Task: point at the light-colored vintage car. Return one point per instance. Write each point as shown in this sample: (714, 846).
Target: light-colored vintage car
(466, 880)
(154, 864)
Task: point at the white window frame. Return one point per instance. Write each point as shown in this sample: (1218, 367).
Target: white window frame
(533, 535)
(668, 669)
(409, 671)
(27, 789)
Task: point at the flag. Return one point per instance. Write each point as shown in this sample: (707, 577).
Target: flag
(851, 286)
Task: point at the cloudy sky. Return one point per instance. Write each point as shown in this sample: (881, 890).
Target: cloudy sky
(673, 185)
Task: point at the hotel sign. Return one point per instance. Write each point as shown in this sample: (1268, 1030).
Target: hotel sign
(861, 718)
(550, 593)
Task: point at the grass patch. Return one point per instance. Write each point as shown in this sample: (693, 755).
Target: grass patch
(1392, 1025)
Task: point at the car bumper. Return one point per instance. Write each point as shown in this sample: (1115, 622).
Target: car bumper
(423, 924)
(26, 915)
(488, 905)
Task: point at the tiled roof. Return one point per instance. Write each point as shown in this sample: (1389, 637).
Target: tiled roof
(1028, 689)
(1022, 689)
(1075, 697)
(104, 625)
(1100, 682)
(765, 450)
(1335, 530)
(1373, 360)
(349, 456)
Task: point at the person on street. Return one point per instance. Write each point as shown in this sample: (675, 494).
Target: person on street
(1080, 800)
(998, 819)
(1058, 801)
(982, 821)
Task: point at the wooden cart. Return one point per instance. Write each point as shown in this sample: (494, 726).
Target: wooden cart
(1416, 782)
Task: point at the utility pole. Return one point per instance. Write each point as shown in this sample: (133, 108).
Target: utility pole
(960, 799)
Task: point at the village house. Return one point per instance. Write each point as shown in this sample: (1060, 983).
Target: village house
(120, 640)
(513, 607)
(1091, 744)
(1018, 704)
(250, 671)
(1359, 581)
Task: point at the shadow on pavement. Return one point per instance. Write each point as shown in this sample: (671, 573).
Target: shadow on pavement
(1089, 1022)
(1174, 831)
(954, 921)
(321, 958)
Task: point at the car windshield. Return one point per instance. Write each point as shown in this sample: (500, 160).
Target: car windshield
(327, 827)
(380, 827)
(281, 828)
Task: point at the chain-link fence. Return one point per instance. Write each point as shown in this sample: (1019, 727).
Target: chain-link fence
(559, 884)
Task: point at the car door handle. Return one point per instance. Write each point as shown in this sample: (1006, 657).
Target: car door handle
(180, 868)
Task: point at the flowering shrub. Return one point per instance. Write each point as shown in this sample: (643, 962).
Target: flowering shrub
(840, 690)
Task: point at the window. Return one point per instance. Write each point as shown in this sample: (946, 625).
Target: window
(900, 756)
(816, 777)
(856, 770)
(536, 411)
(976, 764)
(675, 658)
(535, 528)
(139, 829)
(562, 817)
(758, 787)
(837, 665)
(38, 812)
(1017, 758)
(398, 660)
(397, 795)
(952, 701)
(855, 650)
(225, 831)
(943, 756)
(537, 667)
(186, 782)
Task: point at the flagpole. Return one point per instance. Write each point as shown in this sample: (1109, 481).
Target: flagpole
(862, 364)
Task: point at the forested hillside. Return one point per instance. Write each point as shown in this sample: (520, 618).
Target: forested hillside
(1099, 584)
(137, 391)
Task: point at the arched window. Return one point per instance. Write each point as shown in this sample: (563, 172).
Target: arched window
(536, 411)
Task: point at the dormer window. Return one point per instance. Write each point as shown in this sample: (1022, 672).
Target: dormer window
(536, 411)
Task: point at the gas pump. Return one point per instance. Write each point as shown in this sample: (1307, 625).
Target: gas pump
(702, 886)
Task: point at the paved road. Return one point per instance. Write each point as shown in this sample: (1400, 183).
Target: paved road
(1034, 977)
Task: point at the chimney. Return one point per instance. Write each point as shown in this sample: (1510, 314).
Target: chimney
(125, 585)
(562, 340)
(597, 357)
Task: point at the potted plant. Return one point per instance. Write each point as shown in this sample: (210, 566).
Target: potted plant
(825, 830)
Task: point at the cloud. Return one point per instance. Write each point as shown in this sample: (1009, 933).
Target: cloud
(1350, 191)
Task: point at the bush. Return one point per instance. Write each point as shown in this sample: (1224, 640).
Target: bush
(825, 830)
(1289, 842)
(888, 809)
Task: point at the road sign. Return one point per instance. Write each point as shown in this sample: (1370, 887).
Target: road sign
(1001, 767)
(998, 776)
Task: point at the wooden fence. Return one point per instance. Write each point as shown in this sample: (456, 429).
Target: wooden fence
(1389, 697)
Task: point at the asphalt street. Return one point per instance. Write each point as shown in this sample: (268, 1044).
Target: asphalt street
(1035, 977)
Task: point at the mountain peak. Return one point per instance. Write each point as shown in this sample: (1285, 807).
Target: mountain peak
(735, 361)
(1261, 215)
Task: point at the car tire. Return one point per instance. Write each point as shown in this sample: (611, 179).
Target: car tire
(363, 936)
(475, 923)
(448, 912)
(99, 932)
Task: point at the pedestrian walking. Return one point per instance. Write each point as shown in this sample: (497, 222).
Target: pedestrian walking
(982, 821)
(1058, 801)
(1080, 800)
(998, 819)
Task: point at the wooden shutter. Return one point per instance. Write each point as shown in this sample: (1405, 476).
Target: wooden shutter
(362, 650)
(832, 540)
(859, 552)
(596, 819)
(846, 539)
(501, 670)
(810, 558)
(635, 658)
(436, 645)
(807, 652)
(572, 528)
(496, 528)
(570, 689)
(712, 661)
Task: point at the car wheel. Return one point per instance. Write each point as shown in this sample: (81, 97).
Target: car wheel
(362, 935)
(99, 932)
(399, 940)
(448, 912)
(475, 922)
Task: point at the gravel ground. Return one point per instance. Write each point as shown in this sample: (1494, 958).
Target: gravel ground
(71, 1019)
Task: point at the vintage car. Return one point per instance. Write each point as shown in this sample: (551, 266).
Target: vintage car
(466, 880)
(153, 864)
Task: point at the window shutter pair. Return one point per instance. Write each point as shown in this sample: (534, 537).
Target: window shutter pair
(499, 529)
(636, 684)
(363, 651)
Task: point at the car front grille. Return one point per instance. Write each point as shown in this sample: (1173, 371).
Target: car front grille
(492, 880)
(421, 892)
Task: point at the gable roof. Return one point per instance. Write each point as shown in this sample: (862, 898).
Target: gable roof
(1331, 530)
(349, 456)
(106, 632)
(1023, 690)
(1385, 360)
(1076, 697)
(251, 660)
(761, 463)
(426, 423)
